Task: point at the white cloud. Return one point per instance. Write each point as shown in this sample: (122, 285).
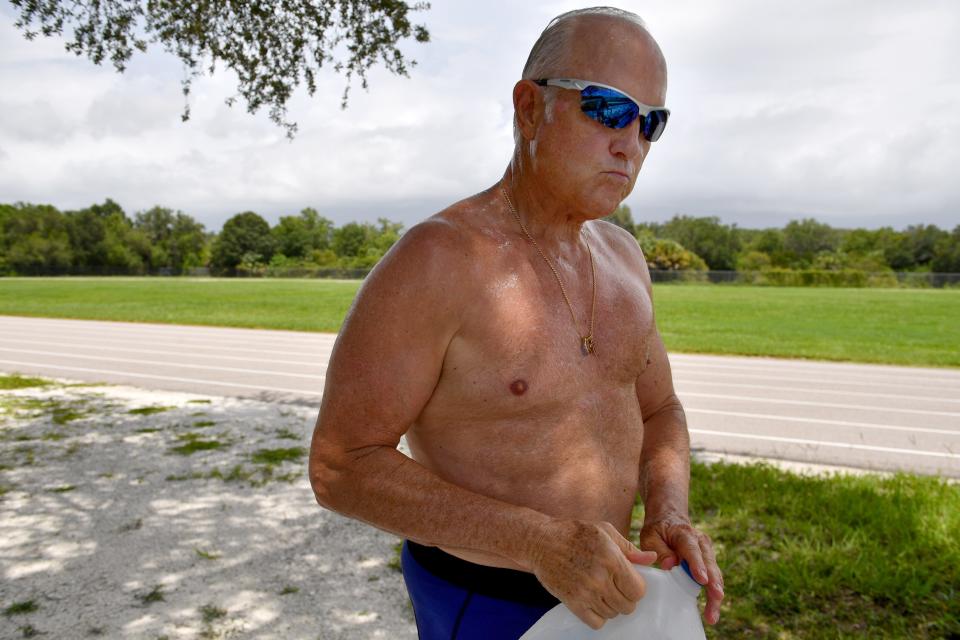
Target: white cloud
(844, 111)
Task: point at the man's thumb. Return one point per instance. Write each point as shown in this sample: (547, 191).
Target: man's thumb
(662, 553)
(635, 555)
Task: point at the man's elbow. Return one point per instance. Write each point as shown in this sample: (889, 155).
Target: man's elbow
(326, 471)
(669, 406)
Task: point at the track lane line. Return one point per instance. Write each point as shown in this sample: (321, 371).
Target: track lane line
(832, 405)
(194, 344)
(157, 362)
(825, 443)
(837, 382)
(231, 333)
(172, 378)
(846, 366)
(842, 423)
(87, 345)
(828, 391)
(866, 375)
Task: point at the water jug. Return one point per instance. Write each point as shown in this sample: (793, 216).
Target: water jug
(668, 611)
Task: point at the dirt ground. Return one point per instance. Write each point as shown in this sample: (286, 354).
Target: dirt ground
(127, 513)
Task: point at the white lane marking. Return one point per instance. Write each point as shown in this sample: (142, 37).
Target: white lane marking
(186, 341)
(809, 403)
(808, 390)
(861, 375)
(842, 423)
(824, 443)
(807, 363)
(153, 329)
(175, 331)
(161, 363)
(835, 382)
(100, 346)
(217, 383)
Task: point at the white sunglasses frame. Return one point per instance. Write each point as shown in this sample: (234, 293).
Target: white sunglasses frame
(580, 85)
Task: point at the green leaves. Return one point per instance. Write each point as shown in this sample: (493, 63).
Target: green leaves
(272, 45)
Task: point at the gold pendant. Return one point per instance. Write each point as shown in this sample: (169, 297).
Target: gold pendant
(586, 345)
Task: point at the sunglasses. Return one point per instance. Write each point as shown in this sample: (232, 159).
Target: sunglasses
(613, 108)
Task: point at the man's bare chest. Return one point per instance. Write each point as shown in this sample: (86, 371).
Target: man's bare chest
(519, 350)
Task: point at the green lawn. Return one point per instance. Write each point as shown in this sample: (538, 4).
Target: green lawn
(831, 557)
(896, 326)
(893, 326)
(298, 305)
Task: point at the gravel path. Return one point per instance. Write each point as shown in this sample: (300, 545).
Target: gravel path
(127, 513)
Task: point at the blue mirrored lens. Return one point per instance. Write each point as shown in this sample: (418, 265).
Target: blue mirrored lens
(654, 123)
(608, 107)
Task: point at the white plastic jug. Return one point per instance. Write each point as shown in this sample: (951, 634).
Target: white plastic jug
(668, 611)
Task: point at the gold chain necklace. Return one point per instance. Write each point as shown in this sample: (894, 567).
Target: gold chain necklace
(586, 341)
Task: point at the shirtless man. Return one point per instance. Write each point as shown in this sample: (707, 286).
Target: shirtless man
(511, 337)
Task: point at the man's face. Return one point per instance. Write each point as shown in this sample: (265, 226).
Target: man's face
(594, 167)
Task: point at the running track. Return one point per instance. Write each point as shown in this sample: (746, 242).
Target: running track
(875, 417)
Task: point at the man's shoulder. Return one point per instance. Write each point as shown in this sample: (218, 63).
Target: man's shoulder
(436, 250)
(617, 239)
(624, 246)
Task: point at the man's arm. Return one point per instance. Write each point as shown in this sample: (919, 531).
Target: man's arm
(665, 477)
(383, 370)
(384, 367)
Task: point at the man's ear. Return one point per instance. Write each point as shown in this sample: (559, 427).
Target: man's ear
(527, 107)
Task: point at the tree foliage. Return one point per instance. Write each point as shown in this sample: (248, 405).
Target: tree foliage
(718, 244)
(272, 45)
(102, 240)
(804, 239)
(245, 239)
(177, 241)
(668, 255)
(301, 235)
(946, 257)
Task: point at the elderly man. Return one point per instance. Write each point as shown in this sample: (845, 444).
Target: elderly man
(511, 337)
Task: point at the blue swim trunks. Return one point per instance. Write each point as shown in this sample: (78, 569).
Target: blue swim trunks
(458, 600)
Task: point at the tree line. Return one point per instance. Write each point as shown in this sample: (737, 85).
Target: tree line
(103, 240)
(705, 243)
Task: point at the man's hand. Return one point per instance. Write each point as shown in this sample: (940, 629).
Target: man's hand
(587, 566)
(674, 539)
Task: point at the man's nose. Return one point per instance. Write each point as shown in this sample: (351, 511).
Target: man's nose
(629, 142)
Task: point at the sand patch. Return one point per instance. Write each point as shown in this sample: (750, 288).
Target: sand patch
(127, 513)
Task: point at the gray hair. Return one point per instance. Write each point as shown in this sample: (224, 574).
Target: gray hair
(549, 53)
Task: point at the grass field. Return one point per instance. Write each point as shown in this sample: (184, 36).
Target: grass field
(831, 557)
(895, 326)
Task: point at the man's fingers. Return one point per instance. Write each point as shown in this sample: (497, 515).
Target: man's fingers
(665, 554)
(689, 550)
(715, 585)
(589, 617)
(604, 608)
(630, 550)
(630, 584)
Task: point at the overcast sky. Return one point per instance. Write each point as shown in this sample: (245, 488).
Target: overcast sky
(848, 112)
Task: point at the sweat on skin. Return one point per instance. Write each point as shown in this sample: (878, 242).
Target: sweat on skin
(526, 453)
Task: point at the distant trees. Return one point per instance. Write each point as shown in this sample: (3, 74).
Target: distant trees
(946, 253)
(715, 242)
(102, 240)
(178, 243)
(303, 235)
(33, 239)
(245, 239)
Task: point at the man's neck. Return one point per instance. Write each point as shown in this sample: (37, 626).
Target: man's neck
(543, 215)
